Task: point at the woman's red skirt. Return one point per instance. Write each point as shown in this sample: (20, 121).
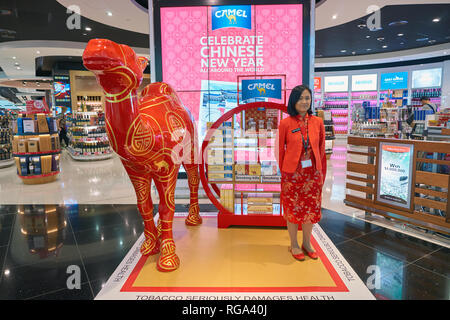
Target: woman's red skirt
(301, 195)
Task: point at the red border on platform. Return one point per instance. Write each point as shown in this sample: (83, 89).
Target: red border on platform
(340, 286)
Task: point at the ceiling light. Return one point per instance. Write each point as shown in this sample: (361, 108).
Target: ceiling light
(38, 52)
(14, 58)
(19, 68)
(16, 63)
(334, 16)
(380, 39)
(400, 34)
(109, 13)
(84, 34)
(436, 20)
(87, 29)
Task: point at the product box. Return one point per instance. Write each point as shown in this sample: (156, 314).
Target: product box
(248, 169)
(220, 176)
(55, 162)
(15, 144)
(19, 125)
(33, 145)
(28, 125)
(19, 170)
(37, 165)
(220, 169)
(46, 164)
(23, 166)
(54, 143)
(56, 138)
(45, 143)
(42, 123)
(260, 209)
(22, 146)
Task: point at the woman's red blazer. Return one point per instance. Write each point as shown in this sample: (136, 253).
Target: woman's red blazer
(290, 146)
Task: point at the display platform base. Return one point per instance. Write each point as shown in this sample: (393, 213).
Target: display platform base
(91, 158)
(236, 263)
(6, 163)
(40, 179)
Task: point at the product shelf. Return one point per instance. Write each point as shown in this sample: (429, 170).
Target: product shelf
(41, 153)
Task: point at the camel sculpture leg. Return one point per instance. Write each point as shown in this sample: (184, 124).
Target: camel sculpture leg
(142, 185)
(193, 219)
(168, 260)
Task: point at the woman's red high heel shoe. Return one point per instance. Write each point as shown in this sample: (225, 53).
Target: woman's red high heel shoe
(312, 255)
(299, 256)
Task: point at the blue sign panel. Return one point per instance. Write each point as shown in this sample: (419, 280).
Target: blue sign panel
(231, 17)
(262, 88)
(393, 81)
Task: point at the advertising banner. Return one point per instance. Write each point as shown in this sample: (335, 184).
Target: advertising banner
(393, 81)
(205, 48)
(317, 83)
(336, 84)
(267, 88)
(364, 82)
(395, 167)
(61, 85)
(427, 78)
(37, 106)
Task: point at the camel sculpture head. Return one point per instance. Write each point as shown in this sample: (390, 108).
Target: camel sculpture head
(117, 67)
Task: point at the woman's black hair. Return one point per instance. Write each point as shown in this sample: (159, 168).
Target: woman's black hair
(295, 96)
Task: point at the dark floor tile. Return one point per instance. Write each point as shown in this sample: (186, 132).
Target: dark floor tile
(52, 248)
(94, 216)
(397, 244)
(7, 220)
(5, 234)
(335, 238)
(40, 278)
(345, 226)
(416, 283)
(84, 293)
(103, 251)
(438, 262)
(8, 209)
(97, 286)
(360, 257)
(2, 258)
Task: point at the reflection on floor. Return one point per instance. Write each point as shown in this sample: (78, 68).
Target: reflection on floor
(38, 244)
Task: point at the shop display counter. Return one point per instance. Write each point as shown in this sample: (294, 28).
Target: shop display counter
(407, 180)
(6, 121)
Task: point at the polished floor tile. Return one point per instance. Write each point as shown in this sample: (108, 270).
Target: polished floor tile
(84, 293)
(437, 262)
(5, 234)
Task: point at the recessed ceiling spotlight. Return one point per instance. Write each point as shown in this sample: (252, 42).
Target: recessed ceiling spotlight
(436, 19)
(19, 68)
(400, 34)
(16, 63)
(14, 58)
(84, 34)
(109, 13)
(385, 46)
(334, 16)
(398, 23)
(380, 39)
(343, 51)
(88, 29)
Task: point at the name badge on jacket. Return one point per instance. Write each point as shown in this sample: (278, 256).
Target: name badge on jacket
(306, 163)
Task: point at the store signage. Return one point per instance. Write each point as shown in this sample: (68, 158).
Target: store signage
(427, 78)
(264, 88)
(364, 82)
(231, 17)
(37, 106)
(317, 83)
(393, 81)
(395, 165)
(336, 84)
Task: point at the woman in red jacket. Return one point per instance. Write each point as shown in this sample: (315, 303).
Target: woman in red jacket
(303, 165)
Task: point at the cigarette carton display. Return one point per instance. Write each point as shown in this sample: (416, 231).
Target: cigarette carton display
(33, 145)
(23, 166)
(42, 123)
(55, 162)
(46, 164)
(37, 165)
(45, 143)
(22, 146)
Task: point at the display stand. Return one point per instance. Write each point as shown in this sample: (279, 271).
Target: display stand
(338, 104)
(36, 148)
(88, 138)
(6, 120)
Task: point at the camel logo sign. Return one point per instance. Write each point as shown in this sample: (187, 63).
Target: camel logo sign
(231, 17)
(268, 88)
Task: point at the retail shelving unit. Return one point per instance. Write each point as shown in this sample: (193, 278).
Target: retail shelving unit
(433, 93)
(243, 163)
(36, 148)
(88, 138)
(338, 104)
(6, 120)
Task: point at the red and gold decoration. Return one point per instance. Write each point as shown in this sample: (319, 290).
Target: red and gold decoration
(147, 133)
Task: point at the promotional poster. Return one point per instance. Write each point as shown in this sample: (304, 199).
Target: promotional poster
(395, 172)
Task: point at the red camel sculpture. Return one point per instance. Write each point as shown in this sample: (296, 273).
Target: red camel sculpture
(145, 133)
